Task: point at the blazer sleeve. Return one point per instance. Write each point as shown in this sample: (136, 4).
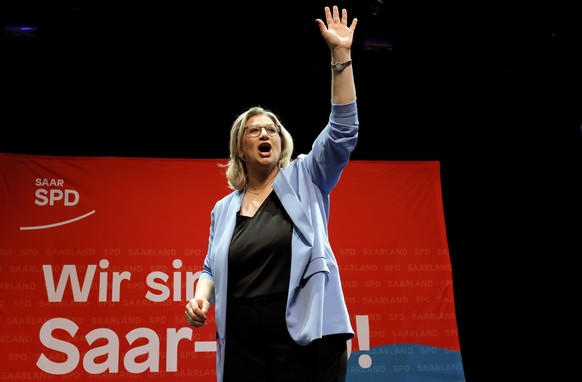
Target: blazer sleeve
(331, 150)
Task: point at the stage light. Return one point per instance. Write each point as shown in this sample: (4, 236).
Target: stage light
(20, 30)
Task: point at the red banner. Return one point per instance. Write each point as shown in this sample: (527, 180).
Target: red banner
(98, 256)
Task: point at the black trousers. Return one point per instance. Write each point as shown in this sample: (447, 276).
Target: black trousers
(260, 349)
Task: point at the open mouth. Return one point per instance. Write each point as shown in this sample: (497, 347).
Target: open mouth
(265, 148)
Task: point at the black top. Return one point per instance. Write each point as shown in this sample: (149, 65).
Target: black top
(259, 259)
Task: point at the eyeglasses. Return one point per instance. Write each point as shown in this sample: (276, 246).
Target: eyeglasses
(255, 130)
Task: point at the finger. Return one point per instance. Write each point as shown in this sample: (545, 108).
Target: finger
(354, 23)
(195, 321)
(335, 13)
(328, 16)
(199, 311)
(189, 310)
(205, 307)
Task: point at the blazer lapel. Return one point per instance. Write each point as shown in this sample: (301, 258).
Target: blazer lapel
(294, 208)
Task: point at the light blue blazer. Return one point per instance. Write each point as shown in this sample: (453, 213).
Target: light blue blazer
(315, 303)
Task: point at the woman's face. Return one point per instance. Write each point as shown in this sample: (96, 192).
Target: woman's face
(264, 150)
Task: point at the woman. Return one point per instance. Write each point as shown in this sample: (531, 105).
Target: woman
(270, 270)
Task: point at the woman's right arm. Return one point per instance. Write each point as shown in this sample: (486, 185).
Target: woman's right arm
(197, 308)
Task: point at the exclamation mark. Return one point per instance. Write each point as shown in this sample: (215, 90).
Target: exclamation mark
(363, 328)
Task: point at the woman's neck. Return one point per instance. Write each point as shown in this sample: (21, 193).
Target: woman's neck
(259, 183)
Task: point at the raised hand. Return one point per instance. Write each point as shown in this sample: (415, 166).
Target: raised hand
(336, 33)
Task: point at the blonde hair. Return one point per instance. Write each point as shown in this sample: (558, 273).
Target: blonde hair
(236, 169)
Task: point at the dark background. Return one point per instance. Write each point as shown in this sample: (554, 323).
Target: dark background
(491, 90)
